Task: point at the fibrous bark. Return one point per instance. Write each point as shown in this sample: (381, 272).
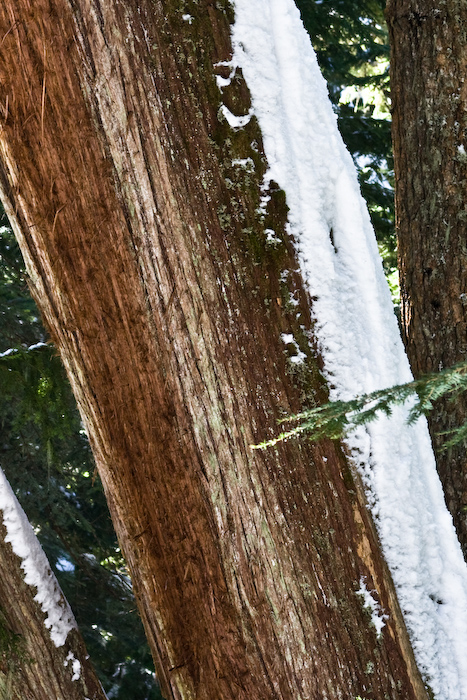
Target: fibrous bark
(137, 208)
(32, 667)
(429, 101)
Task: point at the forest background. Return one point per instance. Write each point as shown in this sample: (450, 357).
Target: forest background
(44, 450)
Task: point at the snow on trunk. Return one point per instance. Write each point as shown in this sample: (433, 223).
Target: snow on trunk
(357, 330)
(37, 571)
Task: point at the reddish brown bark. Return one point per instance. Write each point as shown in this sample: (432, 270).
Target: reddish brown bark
(428, 65)
(149, 260)
(31, 666)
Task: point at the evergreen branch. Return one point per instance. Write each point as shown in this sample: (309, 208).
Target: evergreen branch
(21, 351)
(336, 418)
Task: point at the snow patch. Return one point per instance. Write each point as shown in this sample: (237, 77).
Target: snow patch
(246, 163)
(75, 666)
(225, 82)
(271, 236)
(234, 121)
(378, 617)
(356, 329)
(37, 571)
(10, 351)
(300, 357)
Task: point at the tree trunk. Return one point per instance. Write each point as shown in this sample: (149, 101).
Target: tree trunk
(33, 666)
(137, 208)
(429, 99)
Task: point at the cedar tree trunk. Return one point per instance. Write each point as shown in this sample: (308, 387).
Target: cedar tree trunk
(31, 666)
(429, 98)
(138, 215)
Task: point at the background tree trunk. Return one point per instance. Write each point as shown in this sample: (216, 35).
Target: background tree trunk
(429, 99)
(137, 209)
(32, 667)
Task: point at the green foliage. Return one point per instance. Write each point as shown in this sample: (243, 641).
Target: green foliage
(336, 418)
(19, 320)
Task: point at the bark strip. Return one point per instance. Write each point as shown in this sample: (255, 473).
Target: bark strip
(429, 102)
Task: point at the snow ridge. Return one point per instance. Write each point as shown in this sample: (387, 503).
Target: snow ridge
(357, 330)
(59, 620)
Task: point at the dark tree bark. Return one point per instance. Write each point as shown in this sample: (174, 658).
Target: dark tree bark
(429, 98)
(149, 260)
(31, 666)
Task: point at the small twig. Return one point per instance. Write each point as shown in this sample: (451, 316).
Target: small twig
(56, 217)
(43, 87)
(43, 108)
(13, 26)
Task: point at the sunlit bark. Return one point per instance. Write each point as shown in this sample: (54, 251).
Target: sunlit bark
(137, 210)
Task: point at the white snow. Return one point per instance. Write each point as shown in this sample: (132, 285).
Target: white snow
(224, 82)
(299, 357)
(378, 617)
(246, 163)
(37, 345)
(37, 572)
(10, 351)
(357, 330)
(75, 666)
(236, 122)
(271, 236)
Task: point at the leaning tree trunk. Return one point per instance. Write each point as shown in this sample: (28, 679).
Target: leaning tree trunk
(139, 217)
(42, 654)
(429, 100)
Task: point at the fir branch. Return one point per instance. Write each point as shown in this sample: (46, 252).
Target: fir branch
(337, 418)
